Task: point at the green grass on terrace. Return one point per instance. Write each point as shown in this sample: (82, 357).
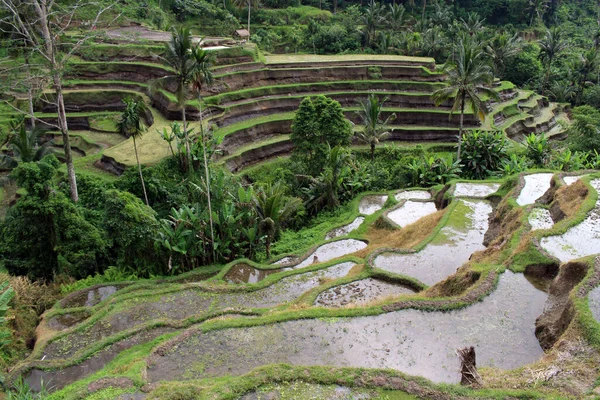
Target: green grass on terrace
(308, 58)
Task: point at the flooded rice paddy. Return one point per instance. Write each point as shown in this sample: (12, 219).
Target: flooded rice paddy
(332, 250)
(478, 190)
(244, 273)
(450, 249)
(371, 204)
(415, 342)
(594, 303)
(540, 218)
(569, 180)
(535, 187)
(411, 211)
(579, 241)
(413, 195)
(346, 229)
(360, 293)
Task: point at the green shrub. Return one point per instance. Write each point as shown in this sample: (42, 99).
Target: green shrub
(483, 154)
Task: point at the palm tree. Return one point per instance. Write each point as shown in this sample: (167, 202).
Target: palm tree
(561, 91)
(372, 19)
(500, 49)
(24, 145)
(374, 129)
(273, 208)
(395, 16)
(467, 76)
(551, 45)
(131, 124)
(179, 55)
(203, 75)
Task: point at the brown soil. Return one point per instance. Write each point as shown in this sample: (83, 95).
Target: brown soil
(405, 238)
(568, 200)
(453, 285)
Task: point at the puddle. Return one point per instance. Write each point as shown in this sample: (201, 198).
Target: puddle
(302, 391)
(413, 195)
(244, 273)
(414, 342)
(411, 211)
(479, 190)
(535, 187)
(346, 229)
(285, 290)
(286, 260)
(360, 293)
(55, 380)
(594, 303)
(540, 218)
(371, 204)
(91, 297)
(450, 249)
(62, 322)
(332, 250)
(579, 241)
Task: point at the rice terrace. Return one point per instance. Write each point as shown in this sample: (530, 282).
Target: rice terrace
(405, 208)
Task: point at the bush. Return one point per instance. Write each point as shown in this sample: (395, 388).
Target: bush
(537, 149)
(483, 154)
(525, 67)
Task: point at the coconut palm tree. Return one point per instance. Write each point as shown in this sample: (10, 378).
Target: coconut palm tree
(131, 125)
(24, 145)
(203, 76)
(179, 55)
(273, 208)
(395, 16)
(551, 45)
(374, 129)
(500, 49)
(468, 74)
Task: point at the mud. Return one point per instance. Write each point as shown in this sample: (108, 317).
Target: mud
(415, 342)
(346, 229)
(478, 190)
(535, 187)
(332, 250)
(244, 273)
(540, 218)
(450, 249)
(62, 322)
(302, 391)
(54, 380)
(413, 195)
(580, 240)
(360, 293)
(89, 297)
(411, 211)
(371, 204)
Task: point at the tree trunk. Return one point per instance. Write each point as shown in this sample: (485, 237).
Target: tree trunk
(423, 15)
(29, 91)
(207, 175)
(140, 171)
(62, 125)
(188, 152)
(460, 127)
(372, 152)
(249, 6)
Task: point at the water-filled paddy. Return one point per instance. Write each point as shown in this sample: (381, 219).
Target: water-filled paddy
(580, 240)
(413, 195)
(244, 273)
(450, 249)
(346, 229)
(479, 190)
(371, 204)
(594, 303)
(332, 250)
(360, 293)
(535, 186)
(411, 211)
(415, 342)
(540, 218)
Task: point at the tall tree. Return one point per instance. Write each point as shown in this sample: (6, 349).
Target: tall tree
(203, 76)
(131, 125)
(501, 48)
(179, 55)
(41, 24)
(24, 145)
(468, 74)
(374, 129)
(373, 18)
(249, 4)
(551, 45)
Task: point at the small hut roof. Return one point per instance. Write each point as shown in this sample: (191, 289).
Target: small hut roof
(242, 32)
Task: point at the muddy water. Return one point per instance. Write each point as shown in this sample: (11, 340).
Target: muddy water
(411, 211)
(479, 190)
(187, 303)
(332, 250)
(91, 297)
(360, 293)
(285, 290)
(413, 195)
(285, 260)
(535, 186)
(540, 218)
(244, 273)
(594, 303)
(450, 249)
(579, 241)
(501, 328)
(371, 204)
(62, 322)
(346, 229)
(55, 380)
